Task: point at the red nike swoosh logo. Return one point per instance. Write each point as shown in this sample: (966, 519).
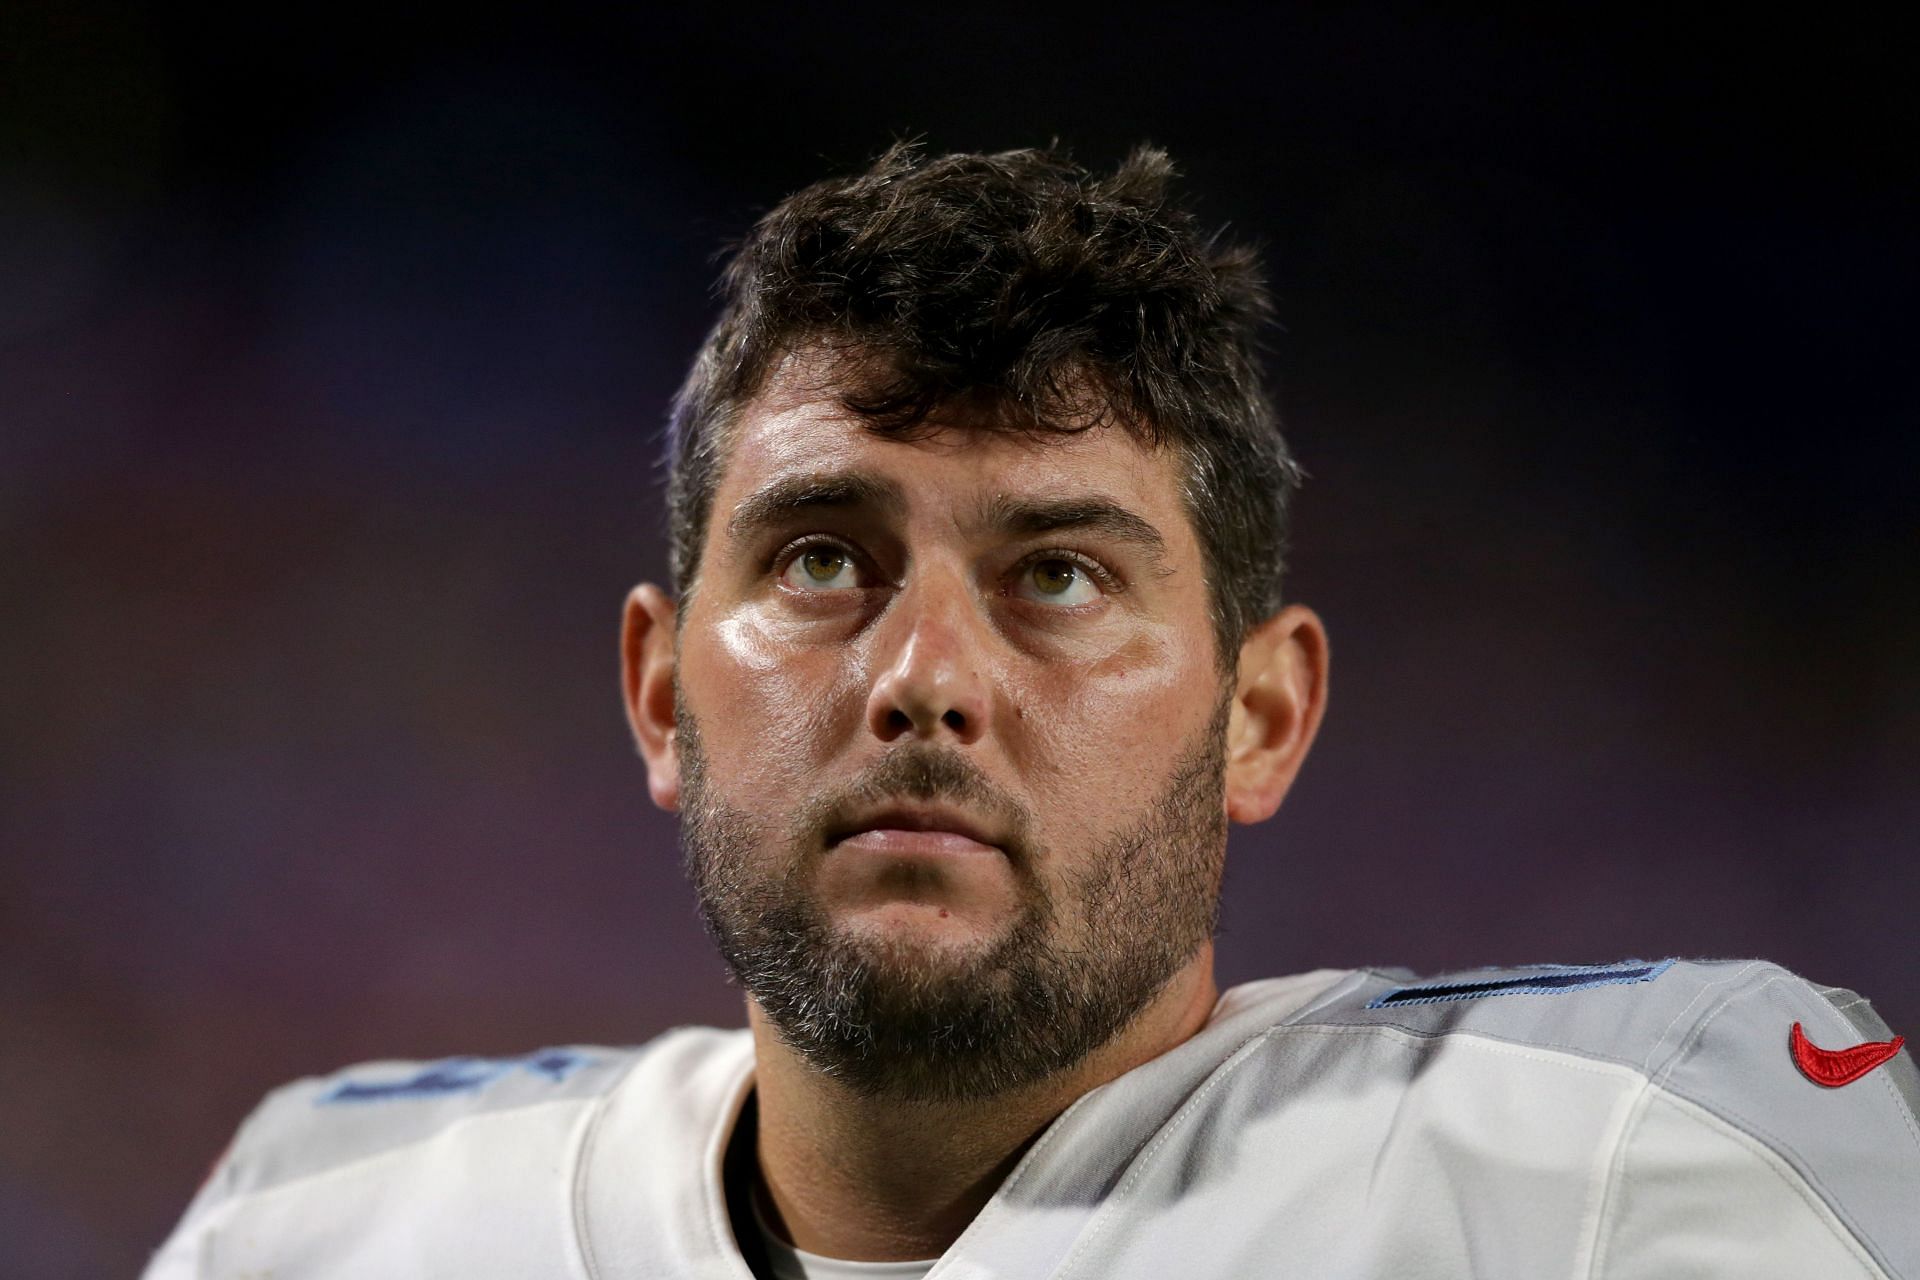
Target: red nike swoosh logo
(1835, 1067)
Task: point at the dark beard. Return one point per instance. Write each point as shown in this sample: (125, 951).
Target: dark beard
(897, 1022)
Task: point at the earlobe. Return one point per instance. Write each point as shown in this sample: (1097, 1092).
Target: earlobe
(1279, 699)
(647, 663)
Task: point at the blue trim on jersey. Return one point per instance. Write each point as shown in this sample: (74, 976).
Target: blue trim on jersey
(456, 1075)
(1545, 980)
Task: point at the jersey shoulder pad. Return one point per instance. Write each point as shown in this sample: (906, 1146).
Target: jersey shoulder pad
(1658, 1016)
(1807, 1072)
(322, 1122)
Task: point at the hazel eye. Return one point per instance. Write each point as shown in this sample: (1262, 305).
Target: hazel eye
(821, 566)
(1055, 581)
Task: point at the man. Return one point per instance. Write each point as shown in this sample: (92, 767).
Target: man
(977, 511)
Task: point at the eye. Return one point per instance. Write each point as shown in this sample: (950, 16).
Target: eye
(821, 566)
(1061, 579)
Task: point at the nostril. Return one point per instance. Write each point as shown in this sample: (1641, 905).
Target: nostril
(954, 720)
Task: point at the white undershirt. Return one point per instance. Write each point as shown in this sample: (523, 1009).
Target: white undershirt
(789, 1263)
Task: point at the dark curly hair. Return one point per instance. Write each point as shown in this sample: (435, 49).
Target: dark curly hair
(1047, 298)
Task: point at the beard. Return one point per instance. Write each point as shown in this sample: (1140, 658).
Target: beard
(893, 1019)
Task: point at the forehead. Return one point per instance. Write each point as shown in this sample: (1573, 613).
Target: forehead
(797, 433)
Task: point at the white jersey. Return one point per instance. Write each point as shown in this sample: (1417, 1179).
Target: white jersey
(1637, 1121)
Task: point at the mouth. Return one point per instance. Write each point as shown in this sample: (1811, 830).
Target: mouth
(924, 830)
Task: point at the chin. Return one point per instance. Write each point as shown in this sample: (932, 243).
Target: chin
(898, 930)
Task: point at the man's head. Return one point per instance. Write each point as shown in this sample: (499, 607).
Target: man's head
(1044, 298)
(978, 511)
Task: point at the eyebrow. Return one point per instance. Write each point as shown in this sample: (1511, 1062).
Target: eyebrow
(783, 499)
(1092, 512)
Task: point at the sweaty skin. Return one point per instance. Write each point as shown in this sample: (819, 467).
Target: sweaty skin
(815, 645)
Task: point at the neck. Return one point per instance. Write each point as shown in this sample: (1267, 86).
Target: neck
(868, 1179)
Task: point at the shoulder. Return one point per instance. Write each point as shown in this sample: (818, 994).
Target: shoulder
(1745, 1039)
(1697, 1026)
(1702, 1077)
(412, 1118)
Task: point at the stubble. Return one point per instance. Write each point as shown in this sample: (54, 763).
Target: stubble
(908, 1022)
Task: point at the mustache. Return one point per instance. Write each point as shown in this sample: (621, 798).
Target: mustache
(929, 774)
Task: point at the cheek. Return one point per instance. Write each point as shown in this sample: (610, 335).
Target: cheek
(1104, 735)
(767, 711)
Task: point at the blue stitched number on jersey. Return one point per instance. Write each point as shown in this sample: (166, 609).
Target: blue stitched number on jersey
(456, 1075)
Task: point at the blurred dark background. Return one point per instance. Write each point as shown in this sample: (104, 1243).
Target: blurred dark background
(333, 359)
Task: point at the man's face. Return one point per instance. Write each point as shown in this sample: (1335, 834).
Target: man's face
(909, 625)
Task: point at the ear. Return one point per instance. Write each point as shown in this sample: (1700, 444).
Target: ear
(1278, 700)
(646, 677)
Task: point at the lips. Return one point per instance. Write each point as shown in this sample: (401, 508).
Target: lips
(898, 825)
(896, 843)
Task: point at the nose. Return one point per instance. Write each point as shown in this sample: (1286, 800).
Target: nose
(933, 676)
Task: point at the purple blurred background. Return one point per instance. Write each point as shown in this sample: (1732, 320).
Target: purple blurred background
(333, 359)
